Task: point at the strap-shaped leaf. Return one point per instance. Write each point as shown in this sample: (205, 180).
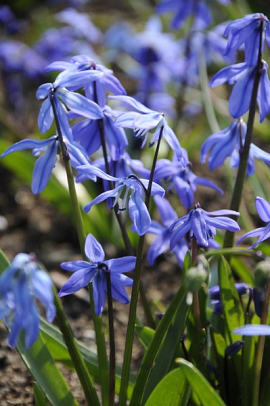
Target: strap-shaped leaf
(173, 390)
(202, 388)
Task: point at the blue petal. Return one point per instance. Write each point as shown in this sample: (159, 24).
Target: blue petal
(117, 285)
(167, 213)
(223, 223)
(158, 247)
(27, 144)
(172, 140)
(120, 265)
(116, 139)
(99, 292)
(93, 249)
(80, 104)
(76, 79)
(45, 116)
(139, 214)
(44, 90)
(239, 101)
(63, 119)
(180, 232)
(103, 196)
(133, 103)
(199, 227)
(263, 208)
(228, 74)
(73, 266)
(43, 168)
(42, 286)
(253, 330)
(78, 280)
(263, 97)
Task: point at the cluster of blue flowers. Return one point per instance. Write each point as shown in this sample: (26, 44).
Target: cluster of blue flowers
(129, 182)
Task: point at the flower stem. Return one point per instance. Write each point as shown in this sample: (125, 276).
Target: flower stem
(135, 294)
(112, 342)
(76, 356)
(243, 162)
(259, 353)
(100, 338)
(196, 304)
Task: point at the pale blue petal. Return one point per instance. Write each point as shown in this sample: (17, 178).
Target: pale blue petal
(43, 168)
(103, 196)
(223, 223)
(43, 91)
(158, 247)
(58, 65)
(172, 140)
(27, 144)
(180, 232)
(133, 103)
(73, 266)
(167, 213)
(93, 249)
(253, 330)
(80, 104)
(139, 214)
(63, 119)
(228, 74)
(45, 116)
(254, 233)
(263, 208)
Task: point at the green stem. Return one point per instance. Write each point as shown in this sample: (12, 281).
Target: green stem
(100, 338)
(112, 342)
(259, 353)
(76, 356)
(196, 304)
(243, 162)
(135, 294)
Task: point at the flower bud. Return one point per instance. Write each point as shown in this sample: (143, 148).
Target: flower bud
(262, 274)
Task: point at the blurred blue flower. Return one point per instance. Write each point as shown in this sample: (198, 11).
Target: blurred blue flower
(95, 273)
(81, 24)
(62, 97)
(253, 330)
(263, 209)
(243, 76)
(142, 120)
(246, 31)
(179, 176)
(161, 243)
(202, 225)
(131, 192)
(182, 10)
(22, 282)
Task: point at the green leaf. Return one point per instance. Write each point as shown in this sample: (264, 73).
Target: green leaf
(173, 390)
(204, 391)
(40, 399)
(231, 305)
(145, 335)
(55, 343)
(167, 352)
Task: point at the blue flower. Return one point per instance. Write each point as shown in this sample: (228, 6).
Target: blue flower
(202, 225)
(20, 284)
(87, 132)
(253, 330)
(63, 97)
(95, 273)
(180, 177)
(263, 209)
(246, 31)
(243, 76)
(95, 88)
(142, 120)
(162, 242)
(129, 192)
(46, 151)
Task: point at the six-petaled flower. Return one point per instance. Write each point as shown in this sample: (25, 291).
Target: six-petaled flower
(95, 272)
